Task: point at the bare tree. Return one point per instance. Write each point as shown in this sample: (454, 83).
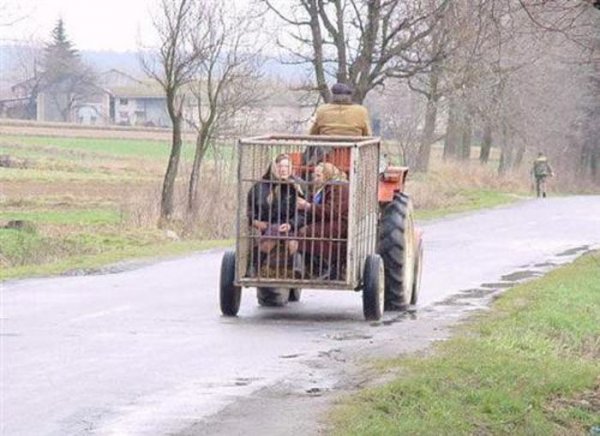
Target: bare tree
(12, 13)
(225, 81)
(359, 42)
(401, 116)
(26, 73)
(173, 66)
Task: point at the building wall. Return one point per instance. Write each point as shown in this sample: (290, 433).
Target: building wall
(95, 111)
(49, 105)
(141, 111)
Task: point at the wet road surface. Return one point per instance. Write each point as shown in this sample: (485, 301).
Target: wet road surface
(145, 351)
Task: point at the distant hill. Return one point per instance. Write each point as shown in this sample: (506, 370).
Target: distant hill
(128, 62)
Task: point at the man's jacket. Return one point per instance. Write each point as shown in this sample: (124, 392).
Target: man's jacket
(340, 119)
(541, 167)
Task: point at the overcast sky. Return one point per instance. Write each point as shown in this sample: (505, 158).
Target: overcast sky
(90, 24)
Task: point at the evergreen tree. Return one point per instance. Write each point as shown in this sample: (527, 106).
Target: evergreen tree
(66, 80)
(60, 57)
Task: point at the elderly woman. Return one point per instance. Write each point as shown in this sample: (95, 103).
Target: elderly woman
(272, 208)
(324, 239)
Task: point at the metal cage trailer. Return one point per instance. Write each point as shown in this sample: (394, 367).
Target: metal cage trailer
(320, 212)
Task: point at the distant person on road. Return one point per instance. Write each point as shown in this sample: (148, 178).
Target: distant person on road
(540, 171)
(341, 117)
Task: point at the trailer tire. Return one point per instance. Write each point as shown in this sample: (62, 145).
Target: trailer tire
(295, 294)
(272, 297)
(373, 288)
(230, 296)
(396, 248)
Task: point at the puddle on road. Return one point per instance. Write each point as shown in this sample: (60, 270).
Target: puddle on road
(349, 336)
(520, 275)
(469, 298)
(244, 381)
(476, 293)
(500, 285)
(316, 392)
(573, 251)
(289, 356)
(480, 298)
(545, 264)
(409, 314)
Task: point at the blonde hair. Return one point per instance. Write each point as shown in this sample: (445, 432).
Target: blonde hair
(331, 172)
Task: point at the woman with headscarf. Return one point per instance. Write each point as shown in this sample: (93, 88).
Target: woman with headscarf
(324, 239)
(272, 207)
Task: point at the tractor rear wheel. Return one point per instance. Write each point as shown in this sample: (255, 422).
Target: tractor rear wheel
(396, 246)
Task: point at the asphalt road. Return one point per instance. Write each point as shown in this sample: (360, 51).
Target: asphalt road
(145, 351)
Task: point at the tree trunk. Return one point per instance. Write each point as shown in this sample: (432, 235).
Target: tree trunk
(168, 189)
(519, 156)
(452, 132)
(507, 155)
(317, 44)
(193, 204)
(467, 136)
(486, 146)
(427, 137)
(589, 162)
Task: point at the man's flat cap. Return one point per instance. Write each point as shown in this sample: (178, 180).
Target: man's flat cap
(341, 88)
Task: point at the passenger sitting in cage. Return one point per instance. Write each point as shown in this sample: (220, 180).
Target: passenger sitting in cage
(272, 210)
(323, 240)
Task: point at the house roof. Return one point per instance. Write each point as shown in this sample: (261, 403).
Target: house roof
(123, 85)
(142, 91)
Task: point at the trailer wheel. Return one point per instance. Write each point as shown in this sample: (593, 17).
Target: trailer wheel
(373, 288)
(230, 295)
(396, 248)
(272, 297)
(295, 294)
(417, 277)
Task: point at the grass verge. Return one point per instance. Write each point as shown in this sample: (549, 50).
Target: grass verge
(531, 366)
(94, 261)
(87, 216)
(468, 200)
(104, 146)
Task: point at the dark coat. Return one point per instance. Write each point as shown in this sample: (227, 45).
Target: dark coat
(282, 208)
(333, 209)
(327, 234)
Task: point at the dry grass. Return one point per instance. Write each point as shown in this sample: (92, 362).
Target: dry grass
(447, 182)
(217, 212)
